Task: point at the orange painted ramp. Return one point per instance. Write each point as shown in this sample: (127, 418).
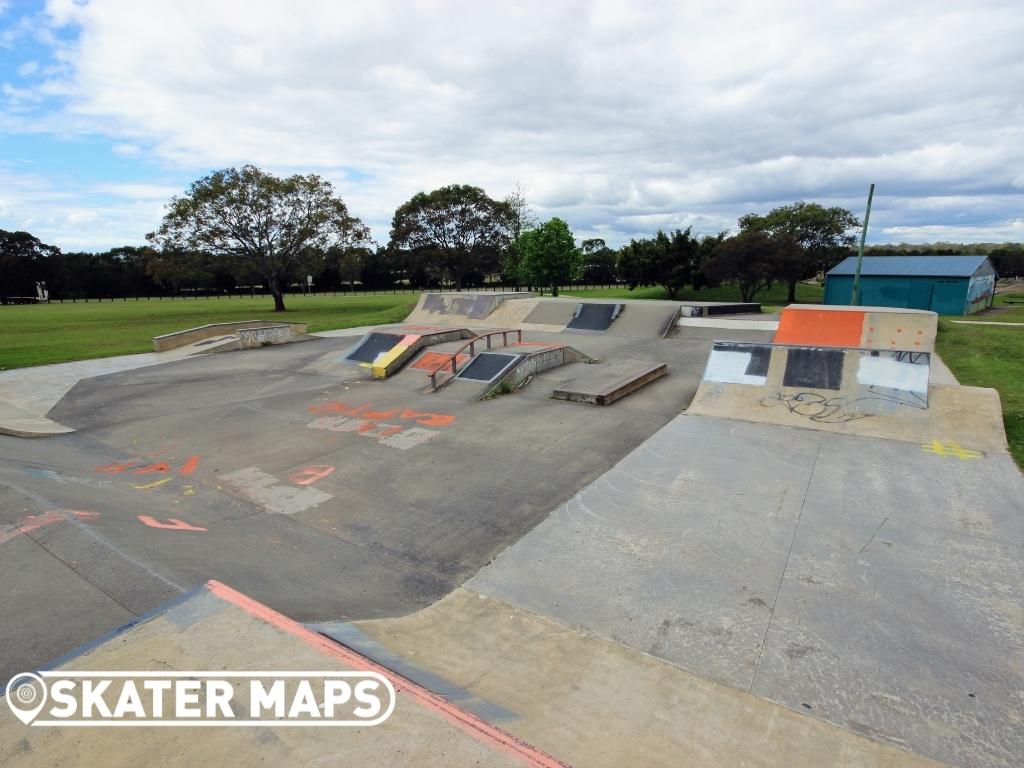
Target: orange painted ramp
(429, 361)
(820, 328)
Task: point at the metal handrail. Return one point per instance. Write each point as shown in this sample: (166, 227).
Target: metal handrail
(471, 344)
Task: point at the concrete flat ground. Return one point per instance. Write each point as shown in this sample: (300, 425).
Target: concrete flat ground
(296, 478)
(752, 594)
(866, 582)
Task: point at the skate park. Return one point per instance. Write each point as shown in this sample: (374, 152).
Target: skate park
(557, 522)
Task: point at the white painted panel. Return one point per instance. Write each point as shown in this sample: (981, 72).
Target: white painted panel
(731, 368)
(884, 371)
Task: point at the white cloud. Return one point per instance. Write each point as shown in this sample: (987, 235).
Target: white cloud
(615, 117)
(126, 150)
(70, 216)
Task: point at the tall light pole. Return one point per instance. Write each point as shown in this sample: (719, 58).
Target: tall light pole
(855, 299)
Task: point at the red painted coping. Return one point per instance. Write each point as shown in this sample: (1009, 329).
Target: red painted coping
(479, 729)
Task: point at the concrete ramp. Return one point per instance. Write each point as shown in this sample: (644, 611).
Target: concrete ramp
(590, 316)
(386, 350)
(216, 628)
(529, 363)
(877, 393)
(857, 327)
(460, 308)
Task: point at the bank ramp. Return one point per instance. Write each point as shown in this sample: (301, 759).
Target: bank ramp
(868, 392)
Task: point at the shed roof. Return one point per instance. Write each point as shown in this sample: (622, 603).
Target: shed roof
(912, 266)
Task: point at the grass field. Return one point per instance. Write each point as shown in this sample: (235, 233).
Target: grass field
(991, 356)
(35, 334)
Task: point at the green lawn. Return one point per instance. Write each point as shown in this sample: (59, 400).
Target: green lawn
(991, 356)
(36, 334)
(770, 300)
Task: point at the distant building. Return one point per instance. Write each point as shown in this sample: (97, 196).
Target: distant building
(949, 285)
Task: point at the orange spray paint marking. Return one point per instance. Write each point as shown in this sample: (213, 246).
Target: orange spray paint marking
(172, 524)
(190, 465)
(160, 466)
(154, 484)
(380, 415)
(428, 419)
(118, 467)
(308, 475)
(31, 523)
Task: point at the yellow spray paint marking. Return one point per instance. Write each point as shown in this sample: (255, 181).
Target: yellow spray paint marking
(154, 484)
(951, 448)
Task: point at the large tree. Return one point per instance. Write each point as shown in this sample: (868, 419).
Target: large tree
(548, 255)
(669, 260)
(457, 228)
(748, 259)
(821, 237)
(258, 221)
(598, 261)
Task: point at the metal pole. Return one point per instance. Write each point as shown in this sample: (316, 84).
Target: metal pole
(855, 299)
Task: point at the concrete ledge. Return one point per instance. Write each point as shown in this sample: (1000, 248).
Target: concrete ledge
(192, 335)
(605, 390)
(21, 423)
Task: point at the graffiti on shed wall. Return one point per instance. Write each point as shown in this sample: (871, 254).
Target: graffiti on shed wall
(980, 293)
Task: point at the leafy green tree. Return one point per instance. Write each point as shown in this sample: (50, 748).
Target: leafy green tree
(748, 259)
(261, 222)
(669, 260)
(457, 228)
(821, 238)
(598, 261)
(548, 255)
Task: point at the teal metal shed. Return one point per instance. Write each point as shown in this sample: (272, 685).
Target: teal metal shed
(949, 285)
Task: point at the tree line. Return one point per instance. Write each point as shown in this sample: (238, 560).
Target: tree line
(240, 228)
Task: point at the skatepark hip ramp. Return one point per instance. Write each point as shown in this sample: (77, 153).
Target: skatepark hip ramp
(869, 392)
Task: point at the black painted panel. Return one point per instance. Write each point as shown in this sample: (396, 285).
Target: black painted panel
(814, 368)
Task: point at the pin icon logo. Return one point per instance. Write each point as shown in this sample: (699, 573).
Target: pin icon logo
(26, 695)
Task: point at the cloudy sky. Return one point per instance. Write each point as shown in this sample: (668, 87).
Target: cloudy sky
(620, 117)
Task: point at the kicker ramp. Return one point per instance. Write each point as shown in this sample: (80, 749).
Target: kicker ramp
(385, 351)
(857, 327)
(872, 393)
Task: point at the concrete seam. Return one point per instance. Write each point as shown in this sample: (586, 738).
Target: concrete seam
(785, 567)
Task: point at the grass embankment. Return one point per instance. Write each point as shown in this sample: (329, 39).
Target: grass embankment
(36, 334)
(991, 356)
